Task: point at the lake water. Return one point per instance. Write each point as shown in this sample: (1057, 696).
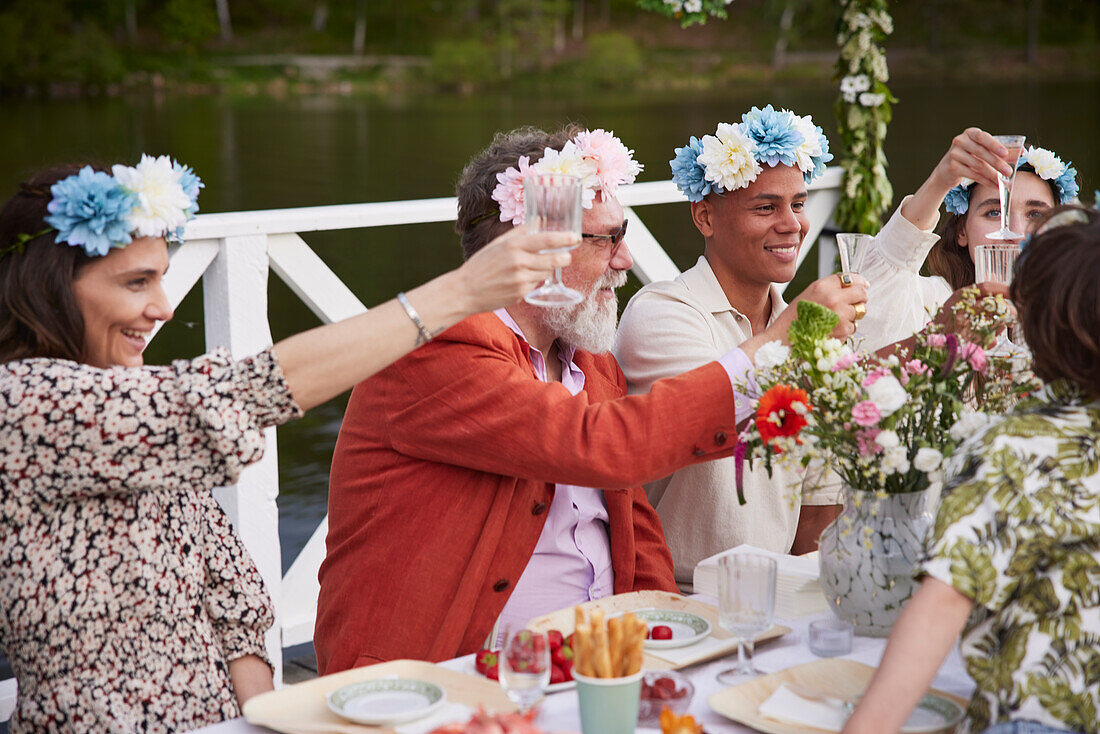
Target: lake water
(267, 153)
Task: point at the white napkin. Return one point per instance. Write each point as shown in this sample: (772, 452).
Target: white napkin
(788, 707)
(448, 713)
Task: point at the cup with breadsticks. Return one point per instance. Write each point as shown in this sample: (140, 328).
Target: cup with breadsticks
(607, 665)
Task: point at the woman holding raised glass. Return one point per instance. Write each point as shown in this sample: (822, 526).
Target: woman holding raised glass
(128, 601)
(1013, 559)
(901, 301)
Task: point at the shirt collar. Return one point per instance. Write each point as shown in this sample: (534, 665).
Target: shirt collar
(565, 351)
(703, 283)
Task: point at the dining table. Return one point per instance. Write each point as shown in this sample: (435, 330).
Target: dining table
(559, 712)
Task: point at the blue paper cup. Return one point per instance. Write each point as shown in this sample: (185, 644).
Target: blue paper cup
(608, 705)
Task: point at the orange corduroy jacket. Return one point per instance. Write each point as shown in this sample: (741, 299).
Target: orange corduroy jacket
(444, 469)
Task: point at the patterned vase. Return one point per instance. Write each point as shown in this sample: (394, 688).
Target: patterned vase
(867, 556)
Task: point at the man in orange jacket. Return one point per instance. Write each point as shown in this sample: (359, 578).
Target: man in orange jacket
(494, 474)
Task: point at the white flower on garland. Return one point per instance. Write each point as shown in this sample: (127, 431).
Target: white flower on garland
(728, 157)
(887, 394)
(870, 99)
(569, 161)
(852, 85)
(771, 354)
(1046, 164)
(162, 202)
(927, 460)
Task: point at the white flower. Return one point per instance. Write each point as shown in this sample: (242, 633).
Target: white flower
(811, 142)
(887, 439)
(162, 202)
(968, 425)
(569, 161)
(693, 6)
(927, 460)
(896, 460)
(870, 99)
(855, 83)
(1045, 163)
(728, 158)
(772, 354)
(887, 394)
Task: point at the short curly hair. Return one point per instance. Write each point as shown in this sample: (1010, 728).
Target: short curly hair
(478, 214)
(1055, 290)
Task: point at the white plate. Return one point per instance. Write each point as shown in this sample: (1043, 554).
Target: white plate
(933, 713)
(386, 701)
(568, 685)
(687, 628)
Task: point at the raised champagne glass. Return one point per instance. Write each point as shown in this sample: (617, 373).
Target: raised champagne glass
(1014, 144)
(552, 203)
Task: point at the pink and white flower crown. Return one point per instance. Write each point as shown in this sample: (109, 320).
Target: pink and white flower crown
(596, 157)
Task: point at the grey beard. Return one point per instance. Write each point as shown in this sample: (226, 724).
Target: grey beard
(589, 325)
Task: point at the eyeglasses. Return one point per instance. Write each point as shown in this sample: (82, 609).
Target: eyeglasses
(613, 240)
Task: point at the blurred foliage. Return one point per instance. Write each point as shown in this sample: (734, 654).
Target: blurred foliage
(613, 59)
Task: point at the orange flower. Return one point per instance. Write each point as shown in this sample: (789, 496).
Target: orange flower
(776, 416)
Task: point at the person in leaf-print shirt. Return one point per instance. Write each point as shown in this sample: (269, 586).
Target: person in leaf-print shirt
(127, 602)
(1013, 560)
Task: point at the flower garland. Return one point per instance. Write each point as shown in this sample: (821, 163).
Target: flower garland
(732, 158)
(596, 157)
(96, 211)
(863, 111)
(1047, 166)
(688, 11)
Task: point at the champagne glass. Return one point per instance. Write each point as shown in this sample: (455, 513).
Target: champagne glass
(995, 262)
(525, 669)
(746, 605)
(552, 203)
(1014, 144)
(853, 247)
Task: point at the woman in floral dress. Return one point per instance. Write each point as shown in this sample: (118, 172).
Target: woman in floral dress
(1013, 560)
(128, 602)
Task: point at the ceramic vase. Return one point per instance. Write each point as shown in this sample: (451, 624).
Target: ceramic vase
(868, 554)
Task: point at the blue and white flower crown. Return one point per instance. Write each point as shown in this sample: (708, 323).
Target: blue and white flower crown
(731, 158)
(97, 211)
(1047, 166)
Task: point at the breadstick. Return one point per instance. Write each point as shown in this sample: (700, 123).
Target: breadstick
(635, 640)
(602, 657)
(582, 648)
(615, 640)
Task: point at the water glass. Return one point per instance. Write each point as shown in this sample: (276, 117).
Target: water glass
(552, 203)
(746, 605)
(995, 262)
(831, 636)
(1014, 144)
(853, 248)
(525, 668)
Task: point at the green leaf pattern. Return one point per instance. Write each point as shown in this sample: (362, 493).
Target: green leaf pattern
(1018, 531)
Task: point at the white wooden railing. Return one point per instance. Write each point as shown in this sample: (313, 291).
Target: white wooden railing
(232, 254)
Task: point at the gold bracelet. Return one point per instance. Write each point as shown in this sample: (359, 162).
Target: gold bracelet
(424, 336)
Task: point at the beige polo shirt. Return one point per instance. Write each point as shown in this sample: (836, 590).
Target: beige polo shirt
(671, 327)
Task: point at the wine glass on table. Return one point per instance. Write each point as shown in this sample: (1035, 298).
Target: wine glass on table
(853, 247)
(1014, 144)
(746, 606)
(552, 203)
(525, 670)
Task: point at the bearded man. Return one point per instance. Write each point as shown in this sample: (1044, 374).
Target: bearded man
(494, 474)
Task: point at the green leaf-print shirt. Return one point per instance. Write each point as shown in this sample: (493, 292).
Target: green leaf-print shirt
(1018, 531)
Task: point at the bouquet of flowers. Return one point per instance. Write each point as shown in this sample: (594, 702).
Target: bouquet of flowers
(882, 424)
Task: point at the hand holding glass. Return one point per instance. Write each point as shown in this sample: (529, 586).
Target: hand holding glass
(552, 203)
(1014, 144)
(746, 605)
(525, 669)
(853, 250)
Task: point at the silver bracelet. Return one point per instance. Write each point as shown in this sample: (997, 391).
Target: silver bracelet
(425, 336)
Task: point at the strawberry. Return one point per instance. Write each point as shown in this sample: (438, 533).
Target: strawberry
(567, 669)
(560, 656)
(569, 640)
(557, 675)
(484, 658)
(661, 632)
(493, 673)
(556, 639)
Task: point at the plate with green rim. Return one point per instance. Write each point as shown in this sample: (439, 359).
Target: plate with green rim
(386, 701)
(687, 628)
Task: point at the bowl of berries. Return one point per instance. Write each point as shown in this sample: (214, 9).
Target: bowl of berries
(663, 689)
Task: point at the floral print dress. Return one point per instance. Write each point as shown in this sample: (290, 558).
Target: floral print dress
(1018, 532)
(124, 591)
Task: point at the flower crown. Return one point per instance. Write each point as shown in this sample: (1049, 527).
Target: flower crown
(1048, 167)
(731, 158)
(596, 157)
(97, 211)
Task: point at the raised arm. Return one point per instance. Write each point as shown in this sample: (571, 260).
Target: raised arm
(321, 363)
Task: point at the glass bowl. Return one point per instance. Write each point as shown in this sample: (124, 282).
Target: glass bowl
(663, 689)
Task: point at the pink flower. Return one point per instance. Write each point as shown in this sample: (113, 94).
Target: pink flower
(615, 162)
(875, 375)
(509, 192)
(975, 355)
(866, 414)
(845, 362)
(865, 440)
(916, 367)
(937, 340)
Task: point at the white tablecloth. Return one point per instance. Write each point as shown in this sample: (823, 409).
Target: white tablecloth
(558, 713)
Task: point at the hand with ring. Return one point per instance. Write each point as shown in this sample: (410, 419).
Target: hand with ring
(845, 280)
(842, 294)
(861, 311)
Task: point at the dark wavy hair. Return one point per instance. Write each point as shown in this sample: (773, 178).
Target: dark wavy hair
(1056, 291)
(39, 316)
(952, 262)
(478, 214)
